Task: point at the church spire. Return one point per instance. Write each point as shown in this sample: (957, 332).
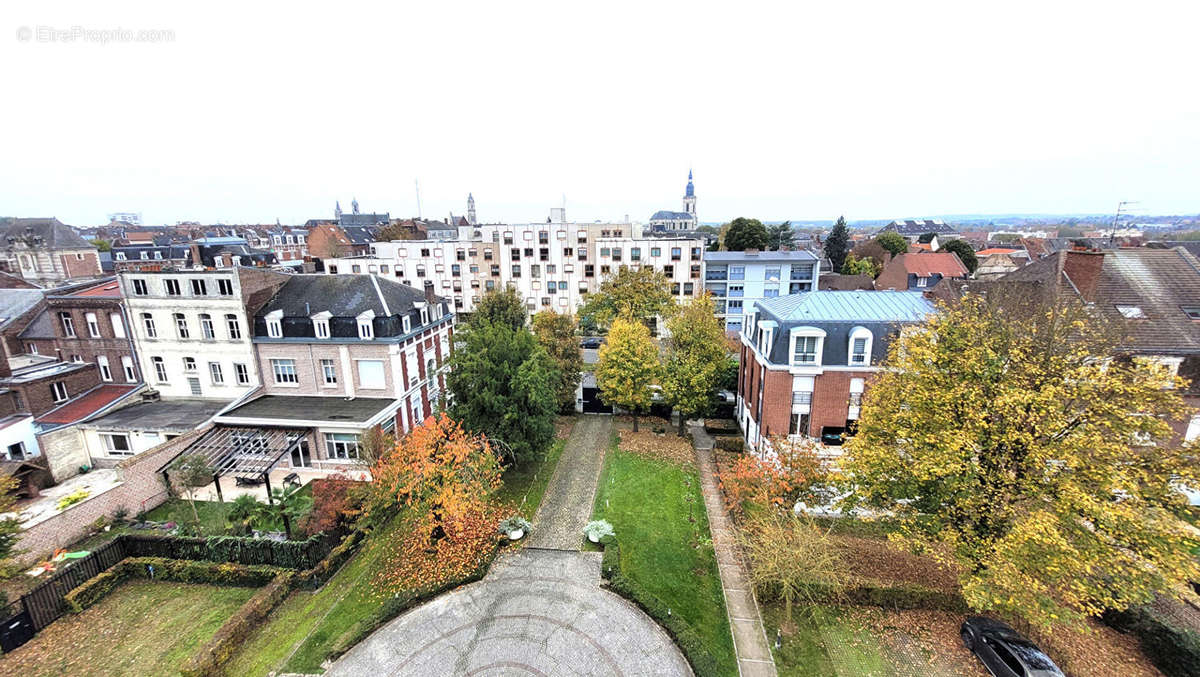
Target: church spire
(689, 197)
(470, 209)
(337, 209)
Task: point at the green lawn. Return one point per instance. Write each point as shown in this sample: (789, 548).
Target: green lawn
(524, 487)
(657, 511)
(141, 628)
(823, 644)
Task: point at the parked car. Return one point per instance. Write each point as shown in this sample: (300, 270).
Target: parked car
(1003, 651)
(592, 343)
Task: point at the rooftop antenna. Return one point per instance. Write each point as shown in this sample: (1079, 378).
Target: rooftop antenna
(417, 183)
(1117, 217)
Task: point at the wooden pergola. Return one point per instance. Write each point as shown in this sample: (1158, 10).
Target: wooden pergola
(246, 453)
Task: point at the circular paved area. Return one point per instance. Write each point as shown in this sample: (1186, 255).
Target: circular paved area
(538, 612)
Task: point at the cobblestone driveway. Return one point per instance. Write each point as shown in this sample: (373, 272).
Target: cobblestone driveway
(567, 506)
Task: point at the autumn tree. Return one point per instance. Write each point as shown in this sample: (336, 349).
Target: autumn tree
(746, 234)
(694, 360)
(396, 230)
(793, 559)
(1005, 442)
(439, 471)
(791, 473)
(556, 334)
(500, 306)
(504, 385)
(837, 244)
(856, 266)
(10, 527)
(642, 294)
(893, 242)
(193, 472)
(627, 367)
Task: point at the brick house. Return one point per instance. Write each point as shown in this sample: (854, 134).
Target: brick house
(805, 359)
(46, 251)
(332, 240)
(919, 271)
(90, 325)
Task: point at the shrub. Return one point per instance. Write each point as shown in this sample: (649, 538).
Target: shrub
(730, 443)
(514, 523)
(598, 528)
(1174, 650)
(212, 656)
(72, 498)
(95, 588)
(337, 499)
(702, 661)
(195, 571)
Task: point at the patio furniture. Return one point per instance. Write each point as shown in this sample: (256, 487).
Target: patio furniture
(292, 479)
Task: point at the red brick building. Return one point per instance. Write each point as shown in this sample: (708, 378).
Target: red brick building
(806, 358)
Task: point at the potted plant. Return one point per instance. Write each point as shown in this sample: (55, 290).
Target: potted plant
(597, 529)
(515, 527)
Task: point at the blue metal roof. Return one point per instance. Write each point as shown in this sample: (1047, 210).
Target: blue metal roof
(849, 306)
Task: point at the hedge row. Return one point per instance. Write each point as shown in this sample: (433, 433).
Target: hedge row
(212, 656)
(866, 593)
(162, 569)
(394, 606)
(703, 662)
(1174, 650)
(251, 551)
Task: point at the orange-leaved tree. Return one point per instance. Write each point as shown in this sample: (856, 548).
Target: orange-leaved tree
(788, 472)
(439, 470)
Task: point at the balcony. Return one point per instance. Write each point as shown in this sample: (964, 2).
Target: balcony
(737, 293)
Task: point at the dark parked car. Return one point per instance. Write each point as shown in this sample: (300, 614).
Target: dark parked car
(1004, 652)
(590, 343)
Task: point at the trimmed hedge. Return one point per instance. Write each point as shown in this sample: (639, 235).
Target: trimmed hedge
(702, 661)
(250, 551)
(212, 656)
(161, 569)
(1174, 650)
(395, 606)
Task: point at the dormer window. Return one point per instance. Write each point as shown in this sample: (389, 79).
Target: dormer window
(859, 348)
(1193, 312)
(366, 327)
(275, 324)
(407, 322)
(321, 324)
(806, 346)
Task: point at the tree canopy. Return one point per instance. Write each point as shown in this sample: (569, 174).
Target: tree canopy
(893, 242)
(966, 253)
(1004, 445)
(746, 234)
(500, 306)
(856, 266)
(505, 386)
(641, 294)
(837, 244)
(695, 361)
(628, 366)
(780, 235)
(556, 334)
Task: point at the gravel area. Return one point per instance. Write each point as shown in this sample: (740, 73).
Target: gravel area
(567, 506)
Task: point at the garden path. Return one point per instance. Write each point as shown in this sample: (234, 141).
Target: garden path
(567, 506)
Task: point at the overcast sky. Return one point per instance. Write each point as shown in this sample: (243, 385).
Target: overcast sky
(258, 111)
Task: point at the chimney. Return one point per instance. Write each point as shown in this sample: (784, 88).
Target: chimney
(196, 255)
(430, 297)
(751, 252)
(226, 259)
(1083, 269)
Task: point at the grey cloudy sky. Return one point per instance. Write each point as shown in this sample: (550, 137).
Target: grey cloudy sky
(258, 111)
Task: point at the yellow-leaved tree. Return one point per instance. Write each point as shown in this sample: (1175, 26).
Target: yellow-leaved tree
(1011, 440)
(695, 359)
(627, 367)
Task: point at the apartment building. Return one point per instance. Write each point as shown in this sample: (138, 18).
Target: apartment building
(806, 358)
(552, 265)
(90, 325)
(192, 329)
(46, 251)
(738, 280)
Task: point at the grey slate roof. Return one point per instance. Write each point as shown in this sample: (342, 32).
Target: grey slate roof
(668, 215)
(42, 327)
(171, 416)
(54, 233)
(342, 296)
(16, 302)
(912, 227)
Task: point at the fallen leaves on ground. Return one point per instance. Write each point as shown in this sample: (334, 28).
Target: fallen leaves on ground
(888, 563)
(667, 446)
(1097, 651)
(563, 427)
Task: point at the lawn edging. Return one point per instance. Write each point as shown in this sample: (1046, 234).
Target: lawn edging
(162, 569)
(402, 602)
(213, 655)
(685, 637)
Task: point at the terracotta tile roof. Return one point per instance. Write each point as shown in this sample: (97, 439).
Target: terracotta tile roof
(995, 250)
(108, 289)
(924, 265)
(86, 404)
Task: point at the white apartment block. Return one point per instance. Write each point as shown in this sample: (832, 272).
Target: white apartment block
(552, 265)
(192, 331)
(737, 280)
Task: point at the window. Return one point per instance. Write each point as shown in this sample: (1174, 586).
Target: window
(148, 322)
(93, 325)
(417, 410)
(1193, 312)
(241, 373)
(406, 322)
(189, 364)
(737, 272)
(370, 375)
(328, 372)
(1131, 312)
(341, 445)
(235, 329)
(58, 390)
(635, 253)
(206, 326)
(922, 282)
(16, 452)
(172, 286)
(127, 367)
(806, 350)
(105, 371)
(366, 328)
(770, 292)
(68, 325)
(139, 287)
(858, 354)
(116, 444)
(771, 274)
(181, 325)
(860, 346)
(214, 370)
(275, 324)
(676, 253)
(516, 271)
(656, 251)
(798, 425)
(199, 286)
(737, 290)
(284, 371)
(77, 359)
(117, 324)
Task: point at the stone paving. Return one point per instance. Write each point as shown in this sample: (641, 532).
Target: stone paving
(567, 505)
(749, 638)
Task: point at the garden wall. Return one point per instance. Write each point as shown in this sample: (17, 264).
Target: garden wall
(141, 488)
